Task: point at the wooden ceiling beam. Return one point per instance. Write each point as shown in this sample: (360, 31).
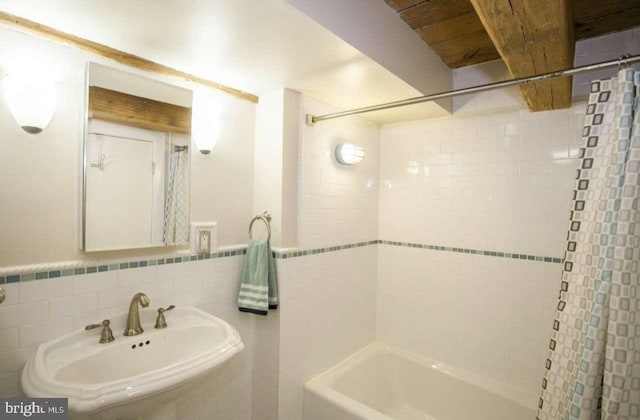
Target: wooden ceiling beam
(466, 50)
(460, 41)
(51, 34)
(533, 37)
(401, 5)
(434, 11)
(586, 10)
(450, 29)
(596, 17)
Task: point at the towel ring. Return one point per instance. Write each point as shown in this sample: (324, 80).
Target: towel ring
(266, 218)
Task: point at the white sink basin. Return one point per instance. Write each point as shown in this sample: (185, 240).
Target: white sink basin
(95, 377)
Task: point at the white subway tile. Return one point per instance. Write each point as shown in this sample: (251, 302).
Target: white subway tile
(71, 305)
(606, 43)
(11, 294)
(9, 339)
(165, 272)
(496, 185)
(583, 48)
(44, 289)
(95, 282)
(14, 360)
(188, 284)
(136, 277)
(10, 384)
(109, 299)
(34, 334)
(24, 313)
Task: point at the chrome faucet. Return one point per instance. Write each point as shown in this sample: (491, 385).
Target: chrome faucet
(133, 319)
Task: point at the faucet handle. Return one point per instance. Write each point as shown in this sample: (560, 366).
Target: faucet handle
(106, 336)
(161, 322)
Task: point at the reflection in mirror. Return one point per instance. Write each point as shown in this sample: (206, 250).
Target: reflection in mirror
(136, 162)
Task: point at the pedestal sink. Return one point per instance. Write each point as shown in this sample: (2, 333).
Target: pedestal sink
(128, 376)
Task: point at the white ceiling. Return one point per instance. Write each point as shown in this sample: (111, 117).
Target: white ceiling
(252, 45)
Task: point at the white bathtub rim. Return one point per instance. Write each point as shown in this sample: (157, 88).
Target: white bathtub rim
(353, 407)
(325, 380)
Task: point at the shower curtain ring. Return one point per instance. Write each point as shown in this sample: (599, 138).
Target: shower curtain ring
(623, 62)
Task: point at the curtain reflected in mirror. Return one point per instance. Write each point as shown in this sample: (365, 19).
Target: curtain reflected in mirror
(136, 162)
(176, 213)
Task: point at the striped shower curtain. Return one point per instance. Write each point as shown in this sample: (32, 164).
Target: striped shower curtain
(593, 368)
(176, 212)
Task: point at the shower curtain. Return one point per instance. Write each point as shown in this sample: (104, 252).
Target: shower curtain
(593, 368)
(176, 212)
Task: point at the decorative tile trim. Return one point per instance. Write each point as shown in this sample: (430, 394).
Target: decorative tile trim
(26, 275)
(302, 253)
(500, 254)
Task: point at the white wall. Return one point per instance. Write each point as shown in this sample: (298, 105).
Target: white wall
(222, 181)
(40, 178)
(40, 174)
(327, 313)
(338, 204)
(377, 30)
(493, 177)
(40, 310)
(603, 48)
(486, 178)
(275, 182)
(275, 189)
(474, 180)
(328, 300)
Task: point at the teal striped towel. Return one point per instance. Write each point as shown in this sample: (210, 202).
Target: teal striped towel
(258, 286)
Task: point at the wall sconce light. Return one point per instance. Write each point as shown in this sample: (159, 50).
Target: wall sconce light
(32, 101)
(349, 154)
(205, 124)
(205, 139)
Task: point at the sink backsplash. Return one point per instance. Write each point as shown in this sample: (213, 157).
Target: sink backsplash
(39, 310)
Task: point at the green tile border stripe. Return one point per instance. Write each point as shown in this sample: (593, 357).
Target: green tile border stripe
(499, 254)
(28, 276)
(89, 269)
(303, 253)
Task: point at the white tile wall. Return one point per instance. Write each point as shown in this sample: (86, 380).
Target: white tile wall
(603, 48)
(39, 310)
(41, 202)
(493, 177)
(337, 203)
(493, 181)
(489, 315)
(328, 300)
(265, 373)
(327, 312)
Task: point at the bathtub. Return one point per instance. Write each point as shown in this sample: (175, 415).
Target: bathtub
(384, 383)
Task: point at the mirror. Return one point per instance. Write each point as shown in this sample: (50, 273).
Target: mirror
(136, 162)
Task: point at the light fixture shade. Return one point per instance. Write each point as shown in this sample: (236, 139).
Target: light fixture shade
(32, 101)
(205, 126)
(349, 154)
(206, 139)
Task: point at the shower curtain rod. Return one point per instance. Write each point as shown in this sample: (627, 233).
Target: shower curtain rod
(625, 60)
